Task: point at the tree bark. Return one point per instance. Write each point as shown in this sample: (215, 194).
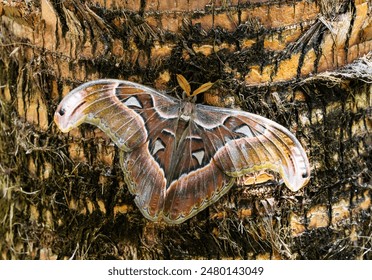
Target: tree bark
(304, 64)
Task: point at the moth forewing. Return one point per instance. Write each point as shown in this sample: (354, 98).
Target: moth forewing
(263, 145)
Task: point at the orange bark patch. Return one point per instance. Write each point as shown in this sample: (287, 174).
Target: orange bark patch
(106, 154)
(318, 217)
(247, 43)
(245, 213)
(308, 65)
(89, 205)
(76, 152)
(121, 209)
(297, 225)
(112, 4)
(171, 22)
(206, 21)
(36, 112)
(340, 211)
(256, 75)
(287, 68)
(162, 80)
(101, 206)
(227, 20)
(273, 16)
(34, 213)
(362, 203)
(160, 51)
(362, 24)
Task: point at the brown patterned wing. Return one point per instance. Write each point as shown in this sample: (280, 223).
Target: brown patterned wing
(139, 121)
(97, 103)
(253, 143)
(219, 145)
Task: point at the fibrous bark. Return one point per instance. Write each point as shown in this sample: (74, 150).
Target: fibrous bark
(304, 64)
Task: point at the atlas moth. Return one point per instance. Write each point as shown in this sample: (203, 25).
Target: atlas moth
(179, 157)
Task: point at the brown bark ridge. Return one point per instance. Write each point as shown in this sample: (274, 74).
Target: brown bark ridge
(304, 64)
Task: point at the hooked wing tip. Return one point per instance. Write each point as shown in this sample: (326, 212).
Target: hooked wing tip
(295, 183)
(297, 175)
(59, 120)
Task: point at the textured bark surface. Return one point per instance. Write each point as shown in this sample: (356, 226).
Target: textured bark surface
(304, 64)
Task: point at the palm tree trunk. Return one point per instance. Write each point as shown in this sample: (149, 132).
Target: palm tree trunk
(304, 64)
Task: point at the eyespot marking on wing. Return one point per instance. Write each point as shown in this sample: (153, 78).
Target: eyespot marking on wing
(158, 145)
(199, 155)
(133, 102)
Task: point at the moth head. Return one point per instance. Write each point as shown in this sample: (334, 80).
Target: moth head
(70, 112)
